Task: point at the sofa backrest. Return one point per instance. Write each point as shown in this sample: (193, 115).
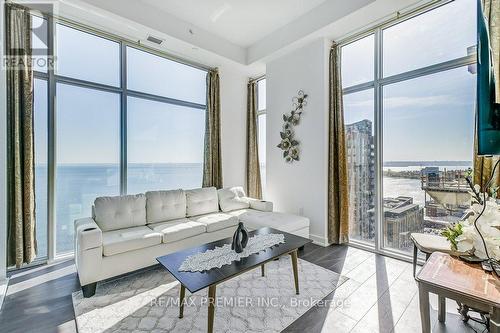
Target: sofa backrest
(201, 201)
(164, 206)
(112, 213)
(232, 198)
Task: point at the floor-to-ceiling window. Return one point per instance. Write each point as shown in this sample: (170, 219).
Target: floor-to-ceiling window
(409, 92)
(39, 35)
(261, 131)
(164, 140)
(41, 170)
(110, 118)
(87, 154)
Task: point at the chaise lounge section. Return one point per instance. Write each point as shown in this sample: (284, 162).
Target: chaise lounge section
(129, 232)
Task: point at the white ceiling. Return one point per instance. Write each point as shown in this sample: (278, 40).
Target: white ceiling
(242, 22)
(242, 33)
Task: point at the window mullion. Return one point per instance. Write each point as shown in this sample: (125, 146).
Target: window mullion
(51, 145)
(123, 119)
(378, 107)
(428, 70)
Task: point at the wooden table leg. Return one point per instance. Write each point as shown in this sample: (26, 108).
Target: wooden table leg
(211, 308)
(441, 309)
(425, 319)
(495, 320)
(295, 271)
(415, 257)
(181, 301)
(263, 270)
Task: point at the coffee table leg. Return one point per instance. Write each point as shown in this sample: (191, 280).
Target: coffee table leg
(423, 296)
(181, 301)
(441, 309)
(263, 270)
(211, 308)
(295, 271)
(495, 320)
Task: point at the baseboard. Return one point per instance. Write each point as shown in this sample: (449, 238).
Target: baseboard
(322, 241)
(3, 290)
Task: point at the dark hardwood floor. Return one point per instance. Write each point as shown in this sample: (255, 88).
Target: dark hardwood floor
(380, 296)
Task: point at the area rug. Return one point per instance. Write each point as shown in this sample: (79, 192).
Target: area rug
(148, 301)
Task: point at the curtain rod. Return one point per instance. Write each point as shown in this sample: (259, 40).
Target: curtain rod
(257, 78)
(388, 20)
(117, 38)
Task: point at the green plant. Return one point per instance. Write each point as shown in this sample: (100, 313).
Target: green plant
(451, 234)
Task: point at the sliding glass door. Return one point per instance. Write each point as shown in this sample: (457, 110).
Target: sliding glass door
(409, 93)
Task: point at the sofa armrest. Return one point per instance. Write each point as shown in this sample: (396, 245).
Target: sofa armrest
(262, 205)
(88, 235)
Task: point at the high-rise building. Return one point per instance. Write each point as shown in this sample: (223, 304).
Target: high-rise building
(401, 217)
(361, 166)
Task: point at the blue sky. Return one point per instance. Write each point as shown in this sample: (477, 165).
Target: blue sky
(427, 118)
(88, 120)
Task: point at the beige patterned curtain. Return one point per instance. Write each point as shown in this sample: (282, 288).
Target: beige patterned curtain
(21, 238)
(338, 196)
(483, 165)
(212, 166)
(254, 185)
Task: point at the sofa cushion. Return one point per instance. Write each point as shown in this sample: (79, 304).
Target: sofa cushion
(164, 206)
(176, 230)
(216, 221)
(232, 199)
(112, 213)
(129, 239)
(202, 201)
(255, 219)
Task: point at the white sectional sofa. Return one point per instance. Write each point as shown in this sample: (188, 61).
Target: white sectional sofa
(129, 232)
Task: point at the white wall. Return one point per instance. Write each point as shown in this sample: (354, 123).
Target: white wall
(233, 98)
(300, 187)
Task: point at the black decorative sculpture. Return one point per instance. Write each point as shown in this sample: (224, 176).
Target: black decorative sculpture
(240, 238)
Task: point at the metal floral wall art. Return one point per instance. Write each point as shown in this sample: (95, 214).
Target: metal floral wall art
(289, 145)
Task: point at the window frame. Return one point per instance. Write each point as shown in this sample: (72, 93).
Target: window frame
(262, 112)
(378, 84)
(52, 79)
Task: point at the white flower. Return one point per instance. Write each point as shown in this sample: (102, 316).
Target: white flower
(488, 224)
(285, 144)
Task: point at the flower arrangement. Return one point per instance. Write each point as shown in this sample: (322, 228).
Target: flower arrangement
(489, 226)
(289, 145)
(464, 236)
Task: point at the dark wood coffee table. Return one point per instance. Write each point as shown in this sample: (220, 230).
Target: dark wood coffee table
(195, 281)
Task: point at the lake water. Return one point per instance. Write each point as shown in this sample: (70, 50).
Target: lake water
(78, 185)
(395, 186)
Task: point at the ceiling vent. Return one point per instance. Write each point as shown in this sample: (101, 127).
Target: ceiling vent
(154, 40)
